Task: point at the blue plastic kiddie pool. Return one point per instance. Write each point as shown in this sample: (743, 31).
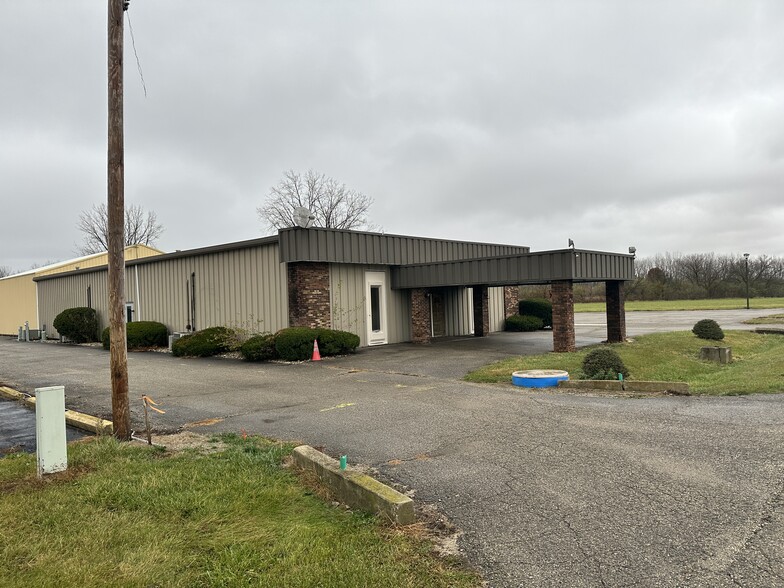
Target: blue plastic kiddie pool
(539, 378)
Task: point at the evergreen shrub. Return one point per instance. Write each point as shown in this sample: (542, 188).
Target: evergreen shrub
(524, 323)
(603, 363)
(205, 343)
(334, 342)
(78, 324)
(538, 307)
(295, 343)
(708, 329)
(140, 334)
(259, 348)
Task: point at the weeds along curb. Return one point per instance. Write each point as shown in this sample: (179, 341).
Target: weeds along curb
(357, 490)
(680, 388)
(79, 420)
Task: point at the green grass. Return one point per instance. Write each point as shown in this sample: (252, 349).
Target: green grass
(717, 304)
(126, 515)
(771, 319)
(758, 364)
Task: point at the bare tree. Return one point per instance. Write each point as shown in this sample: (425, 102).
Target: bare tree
(333, 205)
(141, 228)
(5, 271)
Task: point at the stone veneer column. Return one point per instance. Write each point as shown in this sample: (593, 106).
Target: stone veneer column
(481, 312)
(616, 312)
(420, 315)
(308, 287)
(511, 301)
(563, 317)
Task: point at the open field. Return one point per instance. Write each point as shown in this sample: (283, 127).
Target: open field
(758, 364)
(128, 515)
(717, 304)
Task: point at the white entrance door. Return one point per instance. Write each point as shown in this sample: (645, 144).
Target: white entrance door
(376, 307)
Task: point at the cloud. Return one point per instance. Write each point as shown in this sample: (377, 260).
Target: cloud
(613, 123)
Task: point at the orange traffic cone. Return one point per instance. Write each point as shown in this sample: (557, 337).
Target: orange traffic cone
(316, 354)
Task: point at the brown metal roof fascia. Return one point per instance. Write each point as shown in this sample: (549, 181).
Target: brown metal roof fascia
(342, 246)
(174, 255)
(542, 267)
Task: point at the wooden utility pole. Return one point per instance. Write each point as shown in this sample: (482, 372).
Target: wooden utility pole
(118, 360)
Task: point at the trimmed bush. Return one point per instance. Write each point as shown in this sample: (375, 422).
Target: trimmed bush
(707, 329)
(259, 348)
(604, 363)
(525, 323)
(205, 343)
(141, 334)
(295, 343)
(538, 307)
(79, 324)
(334, 342)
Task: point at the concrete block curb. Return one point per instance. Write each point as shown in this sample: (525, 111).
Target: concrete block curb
(769, 330)
(355, 489)
(79, 420)
(627, 386)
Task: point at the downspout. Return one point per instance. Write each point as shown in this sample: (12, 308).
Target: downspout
(37, 311)
(430, 298)
(138, 305)
(193, 301)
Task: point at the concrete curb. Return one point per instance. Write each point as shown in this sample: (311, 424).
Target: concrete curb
(79, 420)
(769, 330)
(355, 489)
(627, 386)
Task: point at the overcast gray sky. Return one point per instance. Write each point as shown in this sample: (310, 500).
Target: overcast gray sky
(616, 123)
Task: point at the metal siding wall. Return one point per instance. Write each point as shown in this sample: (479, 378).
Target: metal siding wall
(459, 311)
(242, 288)
(347, 301)
(496, 307)
(371, 249)
(55, 295)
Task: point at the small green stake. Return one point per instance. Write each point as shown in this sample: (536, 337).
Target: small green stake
(343, 459)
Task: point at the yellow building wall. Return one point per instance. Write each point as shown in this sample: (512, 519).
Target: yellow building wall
(18, 297)
(132, 252)
(17, 303)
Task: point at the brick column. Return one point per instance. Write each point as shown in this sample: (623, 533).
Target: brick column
(563, 317)
(511, 300)
(420, 315)
(308, 287)
(616, 312)
(481, 312)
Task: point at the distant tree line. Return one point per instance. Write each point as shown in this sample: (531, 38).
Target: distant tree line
(705, 275)
(675, 276)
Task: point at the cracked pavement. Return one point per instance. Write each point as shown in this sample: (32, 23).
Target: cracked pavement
(550, 489)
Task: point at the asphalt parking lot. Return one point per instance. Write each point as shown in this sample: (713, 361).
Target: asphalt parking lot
(550, 489)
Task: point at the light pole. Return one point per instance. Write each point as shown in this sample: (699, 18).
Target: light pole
(746, 257)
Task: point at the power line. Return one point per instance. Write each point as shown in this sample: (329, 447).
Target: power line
(135, 54)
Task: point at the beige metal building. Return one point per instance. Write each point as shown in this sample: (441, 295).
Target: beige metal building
(384, 288)
(245, 285)
(18, 298)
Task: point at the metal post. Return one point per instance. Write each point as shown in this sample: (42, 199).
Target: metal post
(746, 257)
